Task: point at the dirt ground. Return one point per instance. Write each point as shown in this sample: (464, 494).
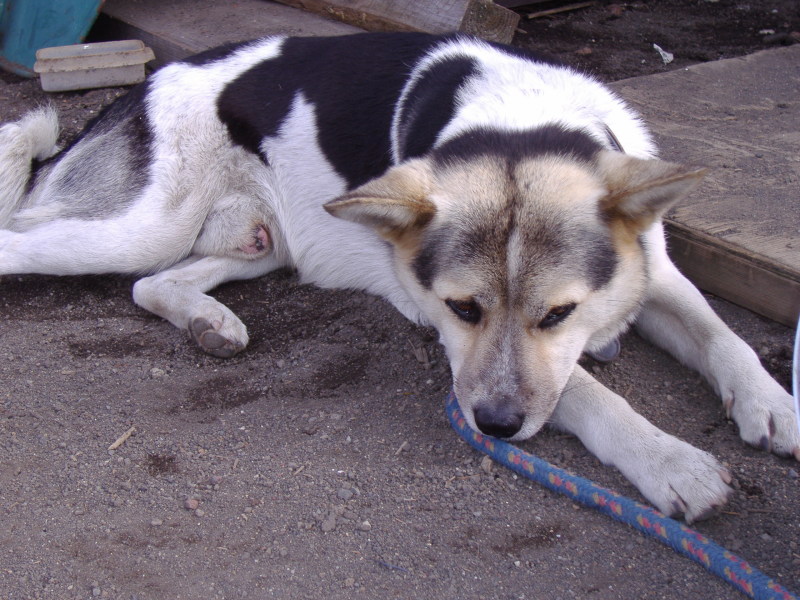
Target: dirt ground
(319, 463)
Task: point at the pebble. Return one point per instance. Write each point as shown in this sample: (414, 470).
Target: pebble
(345, 494)
(364, 526)
(793, 474)
(155, 372)
(191, 504)
(156, 522)
(486, 465)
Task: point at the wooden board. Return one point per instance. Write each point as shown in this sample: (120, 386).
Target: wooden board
(734, 273)
(479, 17)
(738, 235)
(179, 28)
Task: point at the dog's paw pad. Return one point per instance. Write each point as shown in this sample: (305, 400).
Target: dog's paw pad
(211, 341)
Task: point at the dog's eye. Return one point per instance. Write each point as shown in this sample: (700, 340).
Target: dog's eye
(466, 310)
(556, 315)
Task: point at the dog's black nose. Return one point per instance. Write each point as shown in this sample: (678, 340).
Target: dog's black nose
(499, 421)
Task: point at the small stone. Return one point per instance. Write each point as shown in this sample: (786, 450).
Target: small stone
(345, 494)
(155, 372)
(364, 526)
(793, 474)
(156, 522)
(200, 512)
(766, 537)
(486, 464)
(191, 504)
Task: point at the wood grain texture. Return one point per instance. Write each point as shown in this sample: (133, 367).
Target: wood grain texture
(479, 17)
(736, 274)
(738, 234)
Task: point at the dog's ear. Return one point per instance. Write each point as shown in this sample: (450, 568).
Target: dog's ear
(392, 204)
(642, 190)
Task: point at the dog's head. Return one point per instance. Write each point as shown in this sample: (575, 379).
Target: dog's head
(523, 250)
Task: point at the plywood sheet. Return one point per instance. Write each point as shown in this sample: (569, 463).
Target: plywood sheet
(741, 118)
(179, 28)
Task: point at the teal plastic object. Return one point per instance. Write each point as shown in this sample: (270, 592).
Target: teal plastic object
(28, 25)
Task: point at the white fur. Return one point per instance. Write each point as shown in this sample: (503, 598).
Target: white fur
(32, 137)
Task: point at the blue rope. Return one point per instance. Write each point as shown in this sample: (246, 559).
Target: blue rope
(679, 537)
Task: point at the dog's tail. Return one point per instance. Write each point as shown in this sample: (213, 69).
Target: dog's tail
(31, 138)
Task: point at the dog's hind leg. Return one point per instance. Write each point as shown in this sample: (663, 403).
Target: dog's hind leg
(135, 244)
(677, 318)
(178, 295)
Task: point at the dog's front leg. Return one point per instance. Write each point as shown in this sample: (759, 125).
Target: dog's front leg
(677, 318)
(675, 476)
(178, 295)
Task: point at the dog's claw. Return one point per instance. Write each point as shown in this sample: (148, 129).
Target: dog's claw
(728, 404)
(207, 337)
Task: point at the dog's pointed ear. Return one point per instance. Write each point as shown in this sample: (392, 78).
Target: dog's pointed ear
(392, 204)
(642, 190)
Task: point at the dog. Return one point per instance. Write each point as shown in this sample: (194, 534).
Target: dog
(510, 202)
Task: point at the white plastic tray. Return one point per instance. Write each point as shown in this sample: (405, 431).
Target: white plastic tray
(83, 66)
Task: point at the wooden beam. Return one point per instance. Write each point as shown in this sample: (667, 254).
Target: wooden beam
(483, 18)
(738, 275)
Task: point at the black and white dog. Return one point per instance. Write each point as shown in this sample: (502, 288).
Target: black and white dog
(511, 203)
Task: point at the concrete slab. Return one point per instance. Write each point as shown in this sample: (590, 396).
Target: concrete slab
(739, 235)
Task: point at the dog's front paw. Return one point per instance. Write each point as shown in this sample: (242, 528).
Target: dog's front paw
(222, 337)
(764, 413)
(680, 479)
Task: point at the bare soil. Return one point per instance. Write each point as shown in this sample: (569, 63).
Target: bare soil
(319, 463)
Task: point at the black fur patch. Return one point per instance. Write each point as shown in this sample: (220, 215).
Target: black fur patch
(354, 83)
(425, 265)
(214, 54)
(602, 260)
(516, 145)
(431, 104)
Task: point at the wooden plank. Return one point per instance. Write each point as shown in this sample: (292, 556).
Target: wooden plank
(483, 18)
(519, 3)
(735, 274)
(559, 9)
(738, 235)
(179, 28)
